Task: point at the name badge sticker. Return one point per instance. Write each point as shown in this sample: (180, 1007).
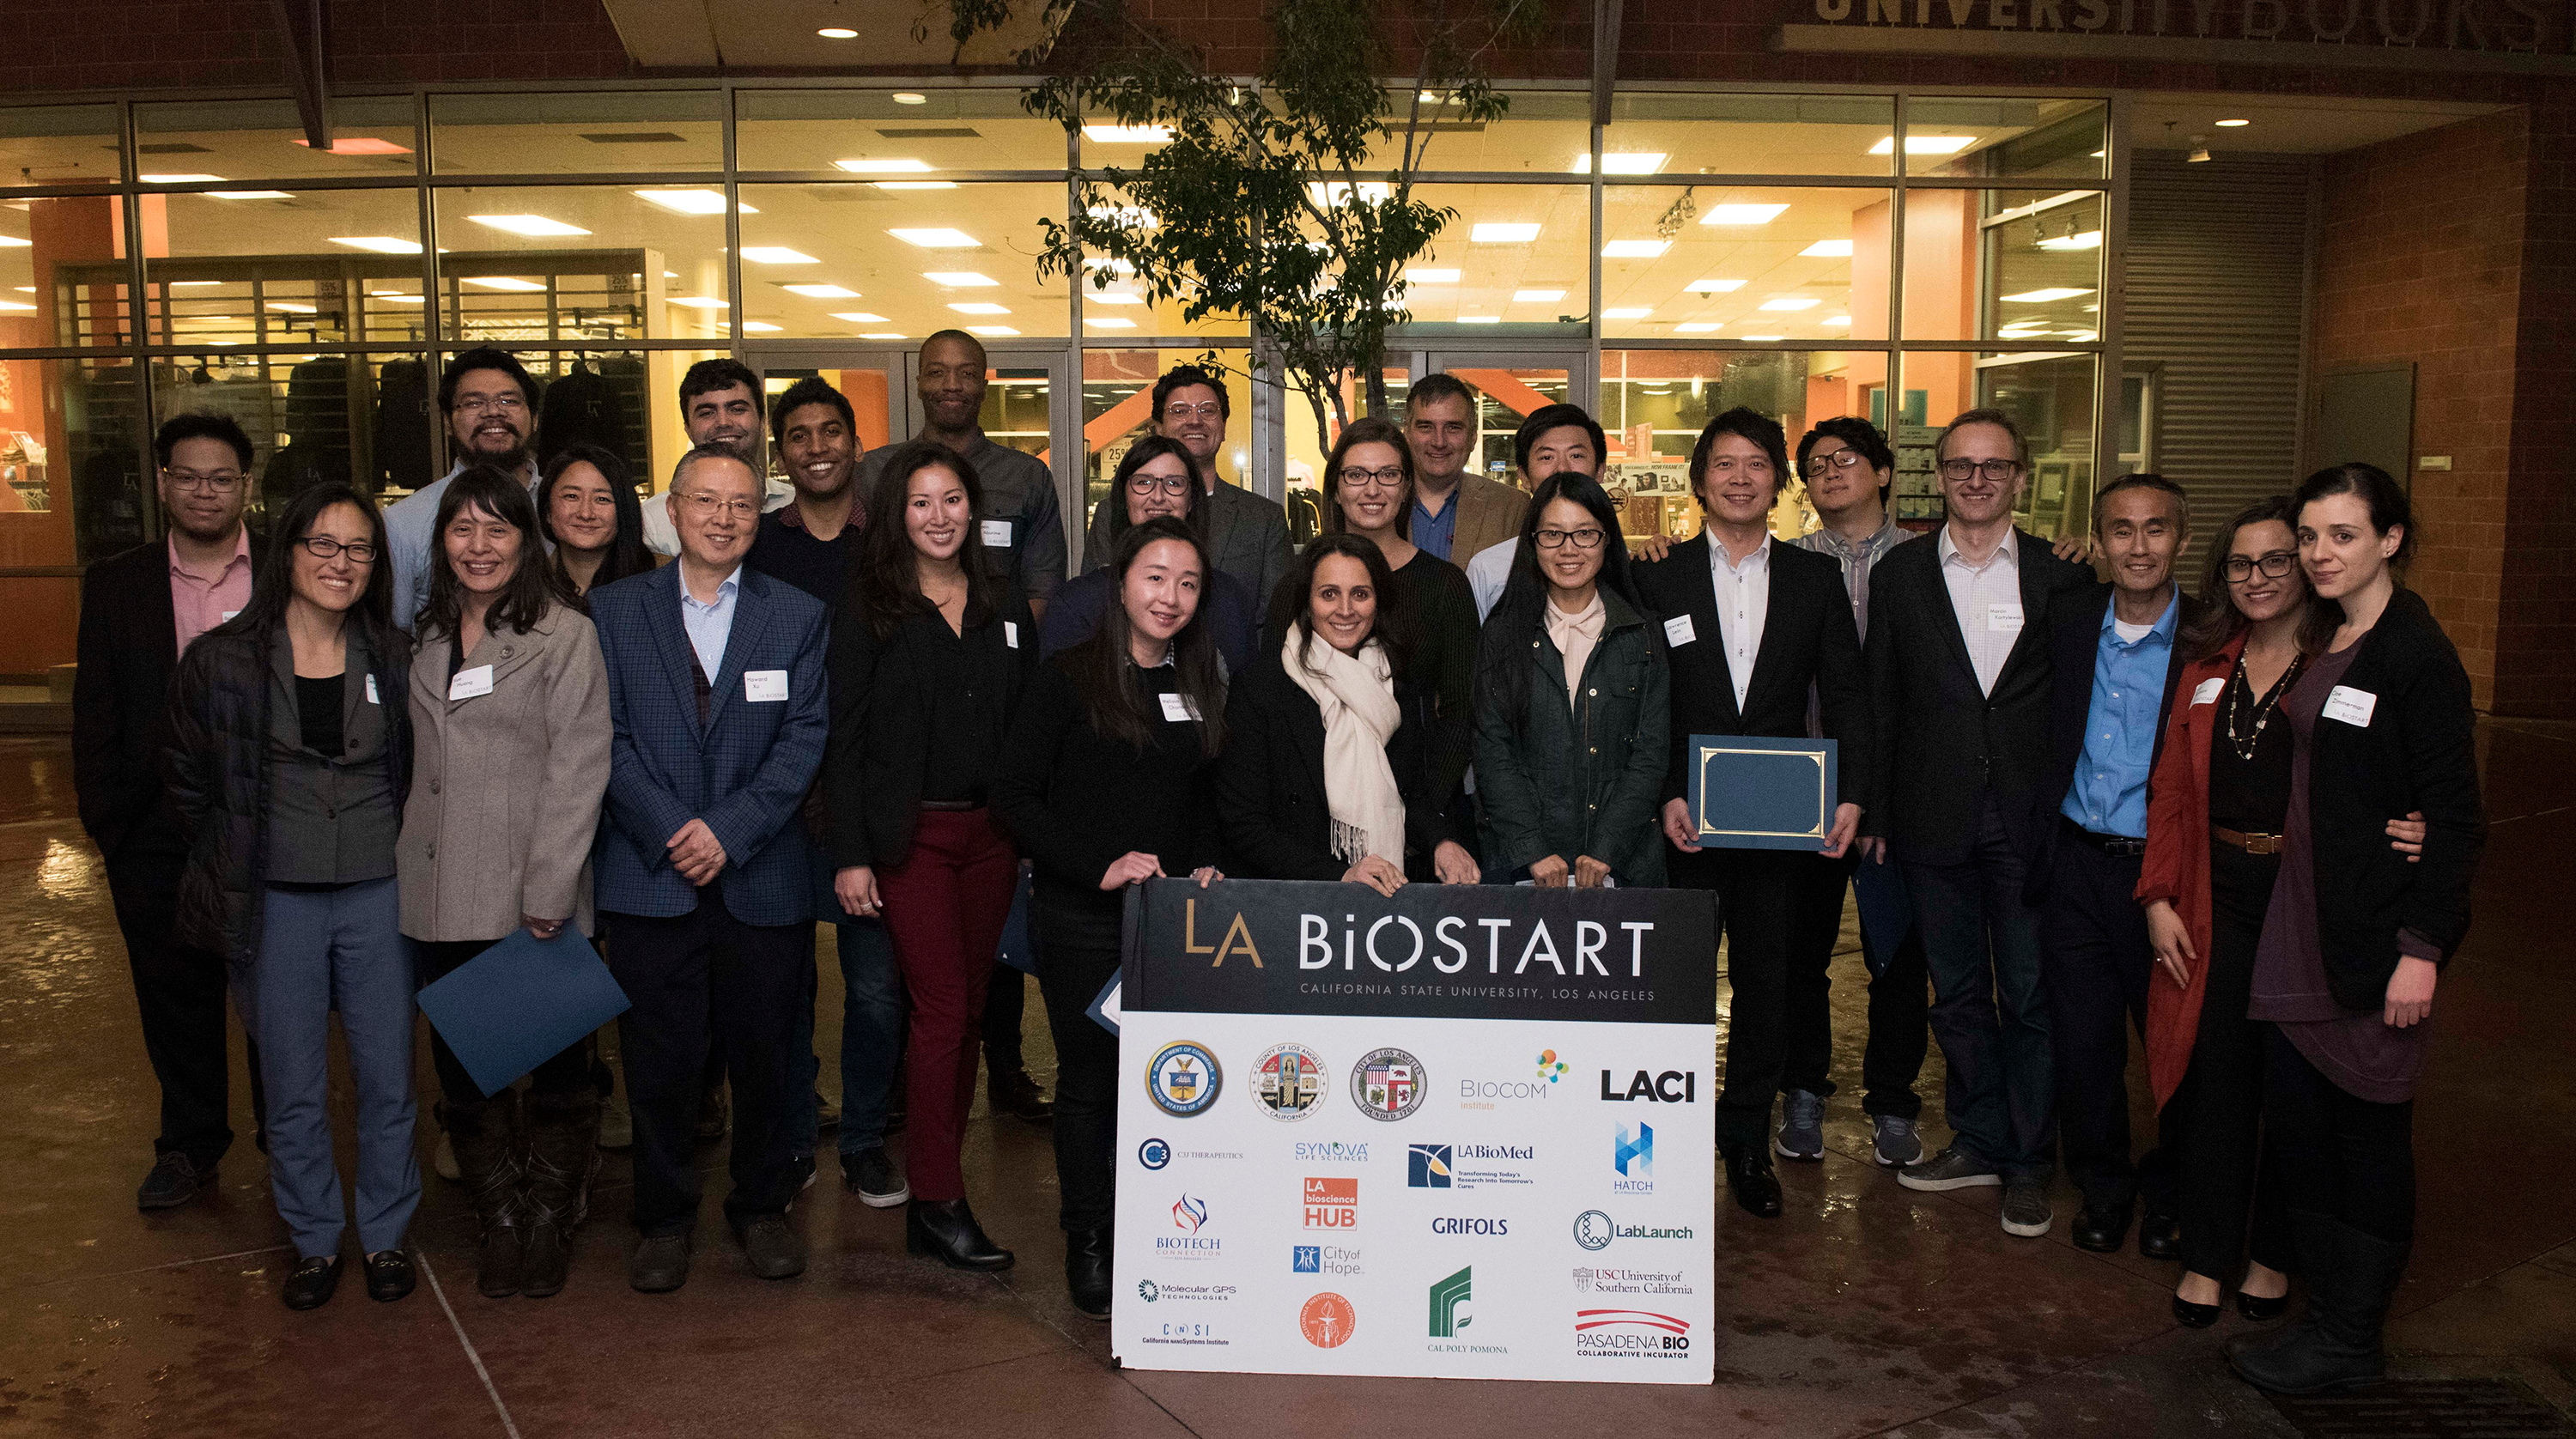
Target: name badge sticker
(998, 533)
(2003, 617)
(1179, 709)
(1678, 631)
(2208, 691)
(763, 687)
(1010, 634)
(469, 683)
(371, 691)
(229, 614)
(2350, 705)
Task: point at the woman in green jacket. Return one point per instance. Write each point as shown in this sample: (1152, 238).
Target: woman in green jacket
(1572, 716)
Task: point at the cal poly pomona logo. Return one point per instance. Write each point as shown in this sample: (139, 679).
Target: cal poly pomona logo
(1184, 1078)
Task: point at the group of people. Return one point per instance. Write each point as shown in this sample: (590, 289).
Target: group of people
(2243, 823)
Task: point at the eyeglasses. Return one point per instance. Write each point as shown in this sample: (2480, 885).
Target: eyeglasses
(491, 404)
(1583, 539)
(323, 547)
(222, 482)
(2274, 566)
(1997, 471)
(706, 504)
(1207, 410)
(1359, 479)
(1168, 484)
(1839, 459)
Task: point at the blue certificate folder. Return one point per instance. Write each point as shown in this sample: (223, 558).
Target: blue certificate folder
(1748, 793)
(520, 1003)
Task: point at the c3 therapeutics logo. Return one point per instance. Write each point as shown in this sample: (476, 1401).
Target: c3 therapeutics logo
(1184, 1078)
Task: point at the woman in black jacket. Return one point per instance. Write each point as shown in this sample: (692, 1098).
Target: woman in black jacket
(1322, 776)
(1156, 477)
(1104, 785)
(290, 760)
(2356, 935)
(928, 660)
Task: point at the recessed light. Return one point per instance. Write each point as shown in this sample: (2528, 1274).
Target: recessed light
(858, 317)
(381, 244)
(14, 306)
(248, 195)
(914, 184)
(696, 302)
(936, 238)
(836, 32)
(759, 327)
(529, 226)
(1792, 302)
(990, 330)
(1480, 319)
(1924, 144)
(883, 167)
(2082, 240)
(1628, 312)
(1536, 297)
(1765, 339)
(178, 179)
(1713, 287)
(1634, 249)
(690, 202)
(883, 335)
(2021, 332)
(978, 307)
(777, 255)
(505, 282)
(1413, 276)
(1834, 322)
(359, 145)
(2230, 124)
(1501, 232)
(1828, 250)
(391, 298)
(1742, 214)
(905, 97)
(1111, 297)
(1630, 162)
(1109, 322)
(190, 284)
(2042, 297)
(1696, 327)
(959, 279)
(822, 292)
(291, 307)
(1133, 216)
(1127, 134)
(1331, 194)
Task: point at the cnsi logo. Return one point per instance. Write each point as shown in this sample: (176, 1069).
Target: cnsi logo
(1634, 1159)
(1331, 1203)
(1629, 1334)
(1237, 941)
(1332, 1151)
(1673, 1086)
(1449, 1299)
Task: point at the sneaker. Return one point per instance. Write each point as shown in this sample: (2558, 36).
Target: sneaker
(1802, 1126)
(2026, 1211)
(1896, 1141)
(174, 1180)
(871, 1175)
(1956, 1167)
(444, 1160)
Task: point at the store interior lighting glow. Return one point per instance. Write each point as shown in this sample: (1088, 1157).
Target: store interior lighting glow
(883, 167)
(1504, 232)
(1634, 249)
(759, 327)
(2042, 297)
(1713, 287)
(1924, 144)
(1111, 297)
(2081, 240)
(914, 184)
(1624, 162)
(15, 305)
(996, 331)
(822, 292)
(883, 335)
(978, 307)
(291, 307)
(1828, 250)
(248, 195)
(777, 255)
(390, 298)
(1696, 327)
(1835, 322)
(178, 179)
(1792, 302)
(1127, 134)
(381, 244)
(837, 32)
(1536, 297)
(1414, 276)
(1109, 322)
(904, 97)
(1765, 339)
(358, 145)
(2231, 124)
(1742, 214)
(533, 227)
(696, 302)
(959, 279)
(12, 242)
(689, 202)
(936, 238)
(858, 317)
(511, 283)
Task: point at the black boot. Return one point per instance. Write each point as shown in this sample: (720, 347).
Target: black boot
(2351, 1276)
(485, 1134)
(1087, 1269)
(945, 1229)
(563, 1153)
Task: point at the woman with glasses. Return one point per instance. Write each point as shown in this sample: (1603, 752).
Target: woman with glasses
(587, 506)
(1153, 479)
(1573, 704)
(1368, 493)
(290, 755)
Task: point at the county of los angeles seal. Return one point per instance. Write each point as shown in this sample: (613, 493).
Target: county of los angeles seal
(1289, 1081)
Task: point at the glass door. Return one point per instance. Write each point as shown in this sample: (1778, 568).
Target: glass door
(1511, 385)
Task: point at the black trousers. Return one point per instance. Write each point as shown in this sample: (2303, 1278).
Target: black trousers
(687, 977)
(180, 991)
(1900, 999)
(1981, 943)
(566, 1073)
(2339, 1155)
(1755, 908)
(1006, 999)
(2095, 963)
(1073, 964)
(2216, 1114)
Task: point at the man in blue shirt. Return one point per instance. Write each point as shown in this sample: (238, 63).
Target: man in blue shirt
(2116, 657)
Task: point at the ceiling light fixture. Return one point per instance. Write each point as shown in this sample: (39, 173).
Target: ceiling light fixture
(1111, 297)
(15, 305)
(1792, 302)
(1628, 162)
(1924, 144)
(994, 330)
(690, 202)
(1109, 322)
(836, 32)
(510, 283)
(1696, 327)
(978, 307)
(2231, 124)
(531, 227)
(904, 97)
(178, 179)
(1504, 232)
(883, 335)
(1828, 250)
(2082, 240)
(937, 239)
(777, 255)
(858, 317)
(381, 244)
(2042, 297)
(291, 307)
(1713, 287)
(883, 167)
(1765, 339)
(959, 279)
(822, 292)
(248, 195)
(696, 302)
(12, 242)
(1742, 214)
(759, 327)
(1127, 134)
(1835, 322)
(1634, 249)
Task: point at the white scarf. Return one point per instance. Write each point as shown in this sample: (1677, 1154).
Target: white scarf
(1356, 694)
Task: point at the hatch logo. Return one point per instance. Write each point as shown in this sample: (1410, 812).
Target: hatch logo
(1673, 1086)
(1629, 1334)
(1331, 1203)
(1449, 1299)
(1634, 1158)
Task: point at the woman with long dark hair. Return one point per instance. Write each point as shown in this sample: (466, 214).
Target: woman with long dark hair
(509, 709)
(1573, 703)
(929, 659)
(2355, 935)
(1104, 785)
(1335, 702)
(290, 754)
(587, 509)
(1154, 479)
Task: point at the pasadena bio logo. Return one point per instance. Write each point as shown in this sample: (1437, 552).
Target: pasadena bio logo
(1183, 1078)
(1630, 1334)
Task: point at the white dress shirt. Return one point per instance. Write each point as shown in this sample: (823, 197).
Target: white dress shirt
(710, 625)
(1489, 572)
(1743, 594)
(1986, 599)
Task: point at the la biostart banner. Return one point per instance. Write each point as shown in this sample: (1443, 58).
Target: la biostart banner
(1465, 1132)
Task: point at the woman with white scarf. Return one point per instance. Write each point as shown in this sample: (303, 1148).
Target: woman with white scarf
(1322, 776)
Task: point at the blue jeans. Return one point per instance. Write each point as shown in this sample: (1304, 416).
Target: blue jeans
(871, 1031)
(322, 950)
(1989, 1010)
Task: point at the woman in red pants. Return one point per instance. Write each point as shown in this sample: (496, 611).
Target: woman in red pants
(930, 654)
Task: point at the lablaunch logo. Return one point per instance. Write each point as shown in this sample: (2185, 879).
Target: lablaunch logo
(1153, 1154)
(1634, 1158)
(1466, 1224)
(1332, 1259)
(1332, 1151)
(1673, 1086)
(1184, 1078)
(1630, 1334)
(1449, 1300)
(1466, 1166)
(1594, 1230)
(1289, 1081)
(1331, 1203)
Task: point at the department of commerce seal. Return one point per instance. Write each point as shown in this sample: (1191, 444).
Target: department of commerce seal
(1289, 1081)
(1183, 1078)
(1388, 1084)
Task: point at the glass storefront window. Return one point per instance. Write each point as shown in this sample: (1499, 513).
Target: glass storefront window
(2043, 255)
(1543, 130)
(1515, 261)
(541, 264)
(59, 144)
(2049, 395)
(71, 475)
(1654, 403)
(1742, 262)
(625, 401)
(1118, 410)
(859, 261)
(342, 266)
(882, 132)
(195, 141)
(577, 133)
(63, 275)
(1697, 132)
(2006, 139)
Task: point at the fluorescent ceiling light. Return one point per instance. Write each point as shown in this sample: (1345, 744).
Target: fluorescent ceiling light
(904, 97)
(180, 284)
(178, 179)
(530, 226)
(15, 305)
(1111, 297)
(991, 330)
(1634, 249)
(1513, 232)
(2082, 240)
(858, 317)
(777, 255)
(394, 299)
(978, 307)
(696, 302)
(759, 327)
(690, 202)
(883, 335)
(291, 307)
(1759, 339)
(959, 279)
(248, 195)
(2230, 124)
(1413, 276)
(1829, 250)
(822, 292)
(1536, 297)
(1834, 322)
(1136, 216)
(1127, 134)
(1696, 327)
(884, 167)
(836, 32)
(1742, 214)
(1627, 162)
(914, 184)
(2042, 297)
(1924, 144)
(936, 239)
(1792, 302)
(1713, 287)
(504, 282)
(1103, 262)
(1109, 322)
(2020, 332)
(12, 242)
(1628, 312)
(1333, 193)
(1480, 319)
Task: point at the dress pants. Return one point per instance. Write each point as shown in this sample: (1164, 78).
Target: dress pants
(2095, 964)
(1005, 1001)
(1899, 996)
(945, 906)
(1074, 962)
(565, 1073)
(1982, 946)
(694, 981)
(2339, 1155)
(180, 991)
(2216, 1113)
(323, 949)
(871, 1029)
(1755, 906)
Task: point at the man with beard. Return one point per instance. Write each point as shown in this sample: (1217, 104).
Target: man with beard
(490, 405)
(1023, 528)
(719, 405)
(1247, 535)
(139, 612)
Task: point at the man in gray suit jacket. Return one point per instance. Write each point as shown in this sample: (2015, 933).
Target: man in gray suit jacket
(1247, 536)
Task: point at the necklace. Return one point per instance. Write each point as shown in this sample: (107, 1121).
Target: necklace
(2246, 744)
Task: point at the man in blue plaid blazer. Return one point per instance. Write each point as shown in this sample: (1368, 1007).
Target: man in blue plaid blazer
(716, 692)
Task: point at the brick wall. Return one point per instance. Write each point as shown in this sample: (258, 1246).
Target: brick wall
(2536, 602)
(77, 45)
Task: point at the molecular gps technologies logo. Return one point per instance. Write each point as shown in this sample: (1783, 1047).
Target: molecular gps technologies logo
(1184, 1078)
(1387, 1084)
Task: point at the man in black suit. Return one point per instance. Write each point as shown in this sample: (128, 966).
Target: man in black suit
(138, 611)
(1752, 626)
(2116, 651)
(1959, 666)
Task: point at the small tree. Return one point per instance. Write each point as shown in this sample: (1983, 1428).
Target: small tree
(1286, 198)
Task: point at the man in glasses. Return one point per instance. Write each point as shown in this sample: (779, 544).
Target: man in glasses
(1959, 671)
(490, 405)
(139, 611)
(1247, 535)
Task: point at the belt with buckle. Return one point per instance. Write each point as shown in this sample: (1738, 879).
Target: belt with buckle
(2111, 844)
(2250, 843)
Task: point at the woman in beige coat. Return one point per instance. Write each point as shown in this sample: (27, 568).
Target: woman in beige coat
(509, 707)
